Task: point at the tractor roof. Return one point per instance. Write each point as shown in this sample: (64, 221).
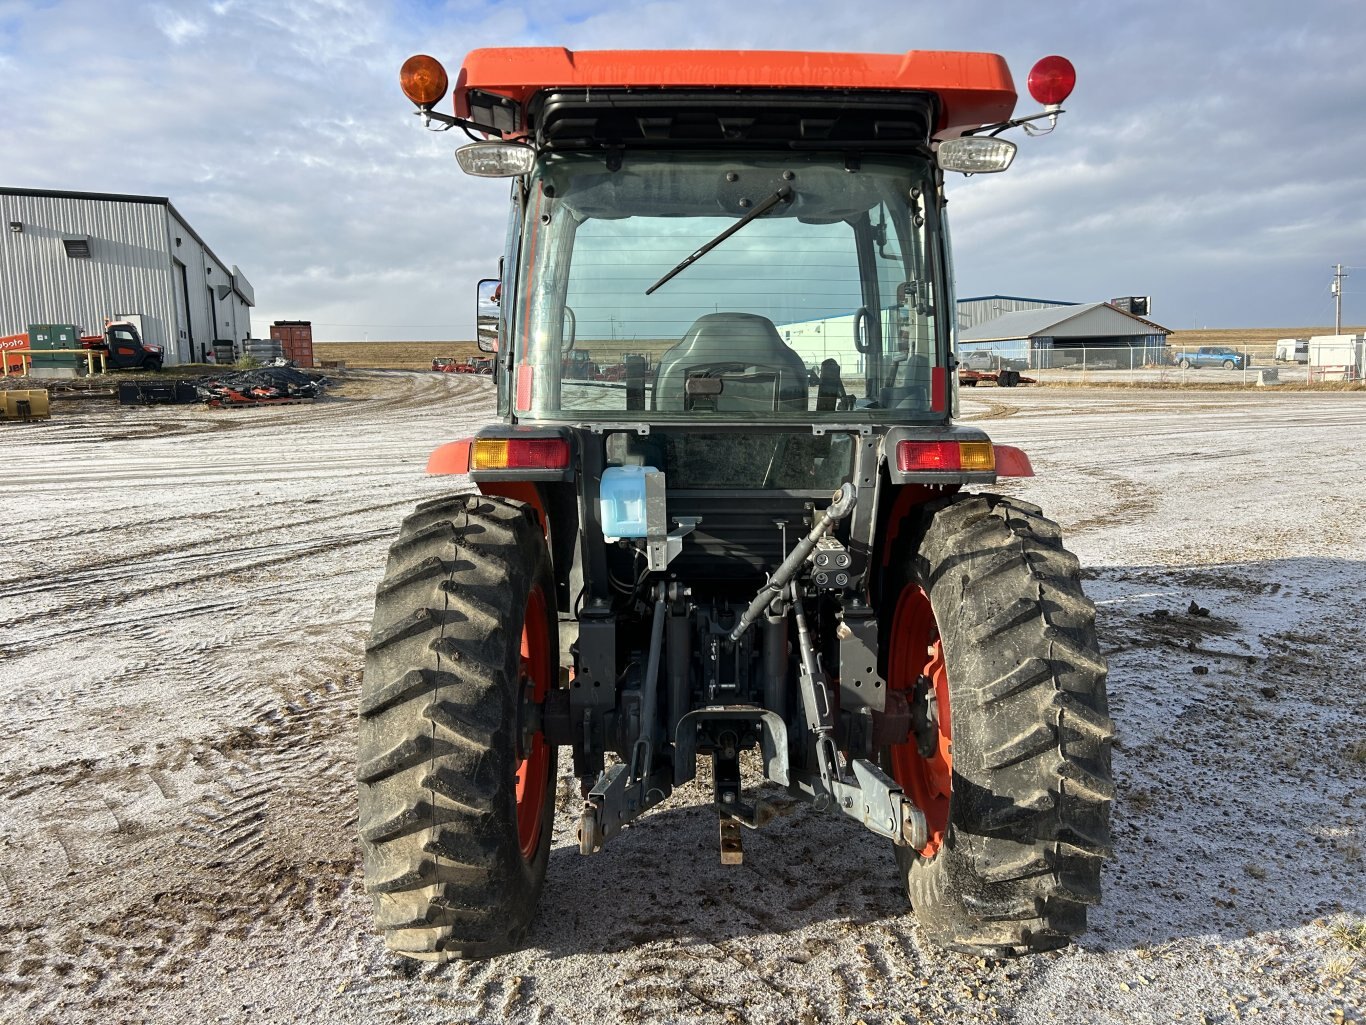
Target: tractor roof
(971, 88)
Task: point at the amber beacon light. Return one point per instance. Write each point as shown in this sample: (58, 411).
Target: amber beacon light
(423, 80)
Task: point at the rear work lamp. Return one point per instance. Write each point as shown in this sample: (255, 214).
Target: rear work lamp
(496, 159)
(976, 154)
(951, 456)
(519, 454)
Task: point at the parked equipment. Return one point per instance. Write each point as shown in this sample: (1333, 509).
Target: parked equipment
(24, 404)
(158, 393)
(1000, 378)
(451, 365)
(124, 348)
(721, 555)
(1292, 350)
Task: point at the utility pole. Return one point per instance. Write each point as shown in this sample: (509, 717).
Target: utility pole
(1338, 275)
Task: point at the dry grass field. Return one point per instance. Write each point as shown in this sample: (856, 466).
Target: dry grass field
(1260, 341)
(392, 355)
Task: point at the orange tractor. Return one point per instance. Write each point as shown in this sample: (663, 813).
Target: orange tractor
(725, 553)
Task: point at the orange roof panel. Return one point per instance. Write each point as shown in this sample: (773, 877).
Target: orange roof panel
(973, 88)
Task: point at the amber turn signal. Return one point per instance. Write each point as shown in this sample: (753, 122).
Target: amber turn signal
(520, 454)
(969, 456)
(423, 80)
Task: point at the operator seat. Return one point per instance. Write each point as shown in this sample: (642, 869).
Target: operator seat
(731, 362)
(909, 386)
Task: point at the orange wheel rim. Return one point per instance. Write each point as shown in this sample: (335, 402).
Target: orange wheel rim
(533, 771)
(917, 650)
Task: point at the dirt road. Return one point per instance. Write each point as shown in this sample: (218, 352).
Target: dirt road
(182, 614)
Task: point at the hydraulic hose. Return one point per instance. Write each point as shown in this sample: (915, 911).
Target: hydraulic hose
(841, 505)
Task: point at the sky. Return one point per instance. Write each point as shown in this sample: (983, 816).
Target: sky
(1213, 155)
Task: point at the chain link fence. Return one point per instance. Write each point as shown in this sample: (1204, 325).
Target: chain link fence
(1079, 364)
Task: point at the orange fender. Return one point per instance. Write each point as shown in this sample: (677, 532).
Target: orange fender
(453, 458)
(1012, 462)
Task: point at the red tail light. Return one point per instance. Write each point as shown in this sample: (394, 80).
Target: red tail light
(923, 456)
(520, 454)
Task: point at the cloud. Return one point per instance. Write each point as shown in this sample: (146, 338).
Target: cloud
(176, 27)
(1209, 158)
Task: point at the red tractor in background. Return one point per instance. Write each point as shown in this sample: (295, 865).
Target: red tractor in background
(451, 365)
(721, 552)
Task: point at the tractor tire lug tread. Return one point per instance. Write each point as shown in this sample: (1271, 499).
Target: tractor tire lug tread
(1031, 729)
(437, 809)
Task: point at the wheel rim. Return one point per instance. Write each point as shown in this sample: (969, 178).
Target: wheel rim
(533, 771)
(917, 650)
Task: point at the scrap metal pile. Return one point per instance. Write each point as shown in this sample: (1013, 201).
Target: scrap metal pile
(266, 386)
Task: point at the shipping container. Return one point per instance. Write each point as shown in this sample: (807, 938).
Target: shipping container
(297, 338)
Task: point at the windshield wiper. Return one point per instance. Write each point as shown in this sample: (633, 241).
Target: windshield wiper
(783, 195)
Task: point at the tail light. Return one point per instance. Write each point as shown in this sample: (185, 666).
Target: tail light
(945, 456)
(520, 454)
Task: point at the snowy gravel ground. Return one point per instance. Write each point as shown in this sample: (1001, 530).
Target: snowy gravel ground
(183, 608)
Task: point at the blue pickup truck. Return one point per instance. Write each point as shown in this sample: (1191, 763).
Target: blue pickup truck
(1211, 356)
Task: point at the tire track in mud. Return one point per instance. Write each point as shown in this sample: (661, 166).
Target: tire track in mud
(243, 836)
(1131, 501)
(135, 424)
(265, 852)
(91, 589)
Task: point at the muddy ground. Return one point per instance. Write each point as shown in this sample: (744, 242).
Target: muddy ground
(183, 607)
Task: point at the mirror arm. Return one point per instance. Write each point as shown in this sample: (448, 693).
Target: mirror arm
(1001, 126)
(447, 122)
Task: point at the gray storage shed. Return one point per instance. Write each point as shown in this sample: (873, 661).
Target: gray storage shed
(976, 309)
(84, 257)
(1096, 333)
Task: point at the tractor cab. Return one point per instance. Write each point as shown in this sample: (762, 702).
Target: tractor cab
(726, 508)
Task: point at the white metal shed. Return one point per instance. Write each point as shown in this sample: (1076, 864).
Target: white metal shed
(81, 257)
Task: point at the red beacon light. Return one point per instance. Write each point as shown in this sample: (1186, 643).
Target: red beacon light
(1051, 81)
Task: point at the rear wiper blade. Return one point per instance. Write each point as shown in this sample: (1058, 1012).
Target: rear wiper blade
(783, 195)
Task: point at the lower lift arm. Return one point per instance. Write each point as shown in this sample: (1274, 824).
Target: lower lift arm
(861, 790)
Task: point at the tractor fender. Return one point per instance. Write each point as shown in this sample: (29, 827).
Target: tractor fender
(451, 458)
(1012, 462)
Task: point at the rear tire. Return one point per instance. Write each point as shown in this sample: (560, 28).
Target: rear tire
(1015, 782)
(455, 816)
(154, 365)
(1185, 364)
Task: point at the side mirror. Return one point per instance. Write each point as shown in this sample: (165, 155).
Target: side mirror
(486, 314)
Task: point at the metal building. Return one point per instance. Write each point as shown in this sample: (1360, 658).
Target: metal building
(978, 308)
(84, 257)
(1088, 334)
